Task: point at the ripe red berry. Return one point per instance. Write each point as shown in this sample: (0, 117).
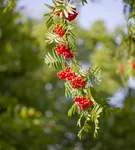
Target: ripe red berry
(82, 102)
(70, 75)
(133, 65)
(63, 73)
(71, 17)
(60, 48)
(75, 81)
(58, 13)
(58, 30)
(68, 69)
(68, 54)
(63, 49)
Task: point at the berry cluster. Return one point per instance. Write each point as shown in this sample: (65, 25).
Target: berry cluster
(58, 30)
(71, 16)
(66, 74)
(62, 49)
(75, 81)
(82, 102)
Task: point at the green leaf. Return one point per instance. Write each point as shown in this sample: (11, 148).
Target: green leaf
(95, 114)
(48, 14)
(88, 92)
(52, 37)
(72, 110)
(49, 22)
(93, 91)
(68, 89)
(86, 127)
(54, 61)
(54, 2)
(112, 111)
(80, 134)
(79, 120)
(10, 4)
(84, 1)
(59, 7)
(131, 15)
(94, 75)
(48, 6)
(71, 40)
(59, 2)
(57, 20)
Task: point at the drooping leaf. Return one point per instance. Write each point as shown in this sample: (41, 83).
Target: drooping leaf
(95, 114)
(79, 120)
(86, 127)
(72, 110)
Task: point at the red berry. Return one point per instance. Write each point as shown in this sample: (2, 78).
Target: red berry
(61, 74)
(72, 16)
(133, 65)
(68, 55)
(63, 49)
(58, 13)
(68, 69)
(58, 30)
(82, 102)
(70, 75)
(75, 81)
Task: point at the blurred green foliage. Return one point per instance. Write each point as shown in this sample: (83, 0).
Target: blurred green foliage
(33, 109)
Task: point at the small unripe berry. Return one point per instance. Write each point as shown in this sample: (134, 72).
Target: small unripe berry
(121, 68)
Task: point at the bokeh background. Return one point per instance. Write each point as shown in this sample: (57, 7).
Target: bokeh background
(33, 108)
